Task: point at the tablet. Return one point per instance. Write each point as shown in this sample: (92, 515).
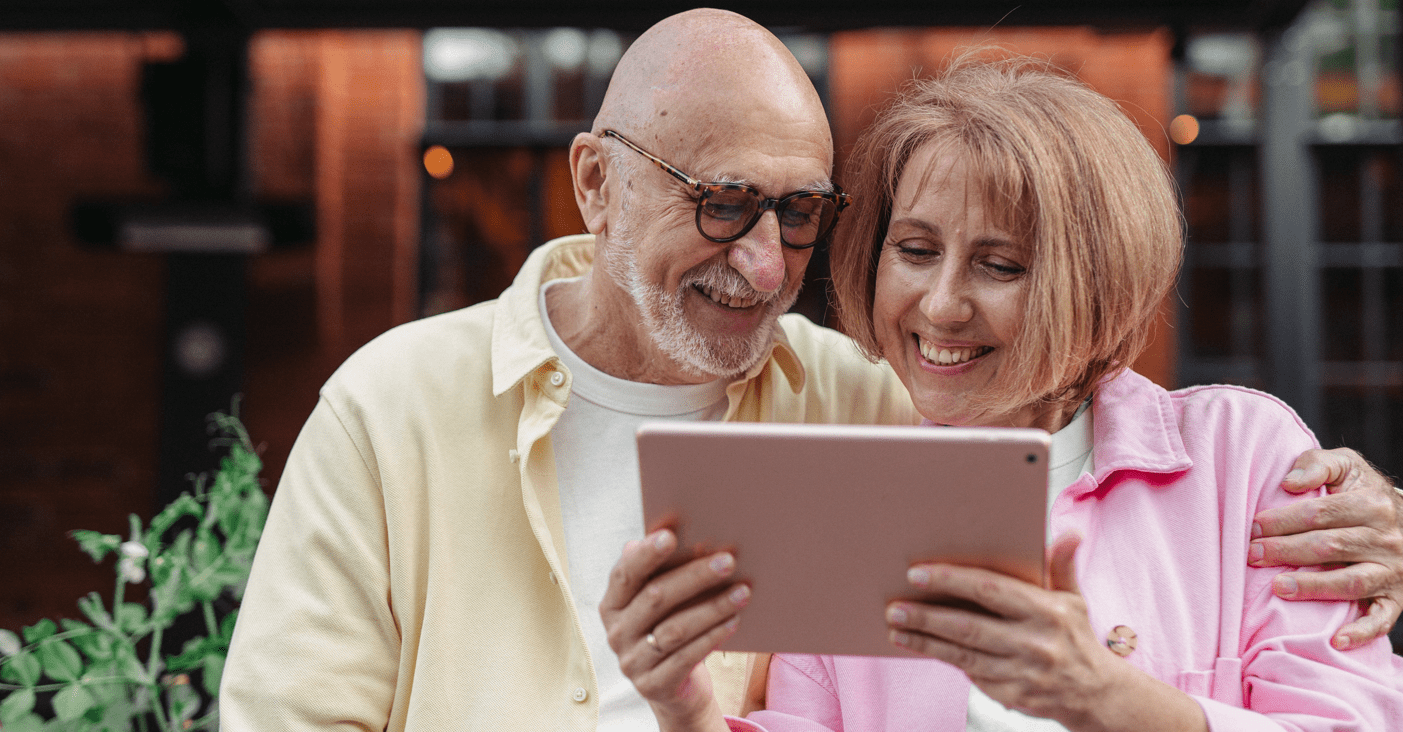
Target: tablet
(824, 520)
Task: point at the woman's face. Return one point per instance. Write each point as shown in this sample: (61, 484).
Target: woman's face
(950, 293)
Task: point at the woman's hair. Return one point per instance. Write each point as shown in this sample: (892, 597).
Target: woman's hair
(1060, 168)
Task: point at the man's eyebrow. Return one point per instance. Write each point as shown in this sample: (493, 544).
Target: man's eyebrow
(825, 185)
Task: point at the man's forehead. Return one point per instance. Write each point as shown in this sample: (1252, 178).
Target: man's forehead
(758, 159)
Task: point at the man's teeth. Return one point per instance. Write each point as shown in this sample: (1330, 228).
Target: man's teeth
(730, 301)
(949, 356)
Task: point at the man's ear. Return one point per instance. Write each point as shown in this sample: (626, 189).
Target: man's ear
(588, 170)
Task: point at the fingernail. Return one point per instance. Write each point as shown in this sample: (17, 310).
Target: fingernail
(630, 545)
(1254, 553)
(1256, 530)
(732, 623)
(900, 638)
(659, 540)
(722, 564)
(896, 614)
(739, 595)
(1295, 475)
(918, 577)
(1284, 586)
(1340, 642)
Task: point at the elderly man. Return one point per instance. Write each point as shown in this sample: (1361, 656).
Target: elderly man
(444, 530)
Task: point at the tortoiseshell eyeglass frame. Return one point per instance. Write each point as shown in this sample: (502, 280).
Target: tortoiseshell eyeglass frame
(836, 197)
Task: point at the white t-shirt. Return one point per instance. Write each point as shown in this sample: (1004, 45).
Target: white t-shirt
(601, 505)
(1069, 457)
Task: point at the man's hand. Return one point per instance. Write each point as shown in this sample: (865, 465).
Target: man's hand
(1359, 525)
(663, 622)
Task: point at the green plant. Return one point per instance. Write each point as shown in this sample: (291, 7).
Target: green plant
(109, 673)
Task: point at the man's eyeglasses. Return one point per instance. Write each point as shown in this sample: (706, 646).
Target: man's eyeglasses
(727, 211)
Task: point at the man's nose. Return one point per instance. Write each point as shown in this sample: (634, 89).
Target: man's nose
(759, 255)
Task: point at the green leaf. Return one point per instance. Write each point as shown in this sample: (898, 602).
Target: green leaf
(129, 666)
(96, 645)
(213, 672)
(205, 551)
(96, 544)
(28, 723)
(93, 608)
(181, 507)
(72, 701)
(61, 661)
(70, 625)
(39, 631)
(131, 618)
(16, 705)
(22, 668)
(192, 654)
(184, 702)
(226, 626)
(114, 715)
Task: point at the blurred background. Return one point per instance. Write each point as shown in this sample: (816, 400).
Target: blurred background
(203, 198)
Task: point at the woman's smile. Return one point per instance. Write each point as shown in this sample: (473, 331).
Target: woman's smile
(948, 355)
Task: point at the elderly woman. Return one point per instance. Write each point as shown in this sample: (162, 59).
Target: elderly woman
(1014, 240)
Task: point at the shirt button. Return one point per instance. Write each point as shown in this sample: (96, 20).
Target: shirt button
(513, 455)
(1121, 640)
(557, 378)
(580, 694)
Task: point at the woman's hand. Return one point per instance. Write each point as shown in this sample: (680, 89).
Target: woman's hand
(1360, 524)
(1034, 650)
(663, 624)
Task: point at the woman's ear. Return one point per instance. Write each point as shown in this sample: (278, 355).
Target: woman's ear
(588, 170)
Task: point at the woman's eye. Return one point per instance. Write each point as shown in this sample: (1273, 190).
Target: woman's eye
(916, 252)
(1004, 269)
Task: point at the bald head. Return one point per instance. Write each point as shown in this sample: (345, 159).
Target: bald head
(722, 99)
(704, 75)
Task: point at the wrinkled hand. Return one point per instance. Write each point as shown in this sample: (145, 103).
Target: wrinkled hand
(1034, 651)
(1360, 525)
(686, 611)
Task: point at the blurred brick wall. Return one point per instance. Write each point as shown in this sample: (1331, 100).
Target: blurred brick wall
(80, 330)
(335, 119)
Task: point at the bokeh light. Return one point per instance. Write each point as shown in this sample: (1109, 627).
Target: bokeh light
(438, 162)
(1183, 129)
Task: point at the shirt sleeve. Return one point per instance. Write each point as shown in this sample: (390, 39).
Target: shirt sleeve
(316, 645)
(1286, 675)
(1291, 678)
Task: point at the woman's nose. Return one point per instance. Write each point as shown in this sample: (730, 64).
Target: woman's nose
(947, 300)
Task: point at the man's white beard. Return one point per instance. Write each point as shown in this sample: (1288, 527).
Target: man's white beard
(721, 356)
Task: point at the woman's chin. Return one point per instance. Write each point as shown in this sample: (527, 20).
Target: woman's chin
(942, 412)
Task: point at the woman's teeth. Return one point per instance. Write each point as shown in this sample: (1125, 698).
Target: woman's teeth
(730, 301)
(950, 356)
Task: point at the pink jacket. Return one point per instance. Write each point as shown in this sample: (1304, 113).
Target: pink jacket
(1166, 522)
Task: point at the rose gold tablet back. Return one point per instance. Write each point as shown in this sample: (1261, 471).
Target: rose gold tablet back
(825, 519)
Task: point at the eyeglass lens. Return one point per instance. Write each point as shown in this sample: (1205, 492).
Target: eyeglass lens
(730, 212)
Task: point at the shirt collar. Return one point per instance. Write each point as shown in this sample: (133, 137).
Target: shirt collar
(1136, 428)
(519, 341)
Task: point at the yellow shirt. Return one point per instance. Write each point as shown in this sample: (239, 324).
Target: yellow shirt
(412, 572)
